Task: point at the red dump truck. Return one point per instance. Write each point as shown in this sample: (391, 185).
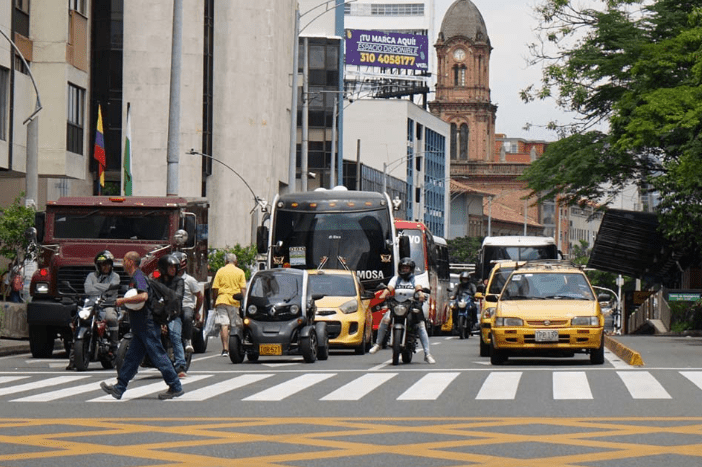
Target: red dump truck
(73, 230)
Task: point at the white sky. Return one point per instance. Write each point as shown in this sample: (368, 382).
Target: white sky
(510, 25)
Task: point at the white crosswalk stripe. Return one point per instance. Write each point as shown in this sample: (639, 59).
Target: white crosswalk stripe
(429, 387)
(423, 386)
(571, 385)
(288, 388)
(642, 385)
(500, 386)
(359, 387)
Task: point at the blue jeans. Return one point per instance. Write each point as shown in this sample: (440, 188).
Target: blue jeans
(146, 340)
(421, 330)
(175, 327)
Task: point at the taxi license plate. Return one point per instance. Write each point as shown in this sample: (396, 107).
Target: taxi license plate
(546, 336)
(270, 349)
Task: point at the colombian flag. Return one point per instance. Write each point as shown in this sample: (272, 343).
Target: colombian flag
(99, 152)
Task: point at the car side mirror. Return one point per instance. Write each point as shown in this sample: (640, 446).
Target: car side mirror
(603, 297)
(491, 298)
(317, 296)
(367, 295)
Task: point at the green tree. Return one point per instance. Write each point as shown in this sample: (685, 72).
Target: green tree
(245, 255)
(635, 67)
(14, 221)
(464, 249)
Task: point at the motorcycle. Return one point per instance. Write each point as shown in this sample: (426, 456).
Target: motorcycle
(91, 341)
(465, 309)
(404, 318)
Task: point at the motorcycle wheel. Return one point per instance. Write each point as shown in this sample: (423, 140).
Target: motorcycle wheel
(107, 362)
(461, 328)
(308, 346)
(236, 355)
(199, 338)
(396, 346)
(407, 356)
(121, 353)
(81, 349)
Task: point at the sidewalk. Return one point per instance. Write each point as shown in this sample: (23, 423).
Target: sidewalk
(13, 346)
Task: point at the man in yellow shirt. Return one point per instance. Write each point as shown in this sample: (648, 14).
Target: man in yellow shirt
(228, 281)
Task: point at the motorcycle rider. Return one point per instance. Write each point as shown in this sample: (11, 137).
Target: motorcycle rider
(168, 266)
(404, 287)
(96, 283)
(192, 300)
(464, 285)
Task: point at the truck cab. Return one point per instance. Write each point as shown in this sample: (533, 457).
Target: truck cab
(73, 230)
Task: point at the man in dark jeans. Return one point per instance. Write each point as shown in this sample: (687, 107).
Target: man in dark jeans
(146, 338)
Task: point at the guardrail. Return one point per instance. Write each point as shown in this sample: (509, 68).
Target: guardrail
(655, 307)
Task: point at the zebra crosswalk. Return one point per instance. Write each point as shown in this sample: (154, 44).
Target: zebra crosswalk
(351, 386)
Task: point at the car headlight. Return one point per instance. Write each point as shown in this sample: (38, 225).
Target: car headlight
(585, 321)
(42, 287)
(509, 322)
(488, 312)
(251, 310)
(294, 309)
(349, 307)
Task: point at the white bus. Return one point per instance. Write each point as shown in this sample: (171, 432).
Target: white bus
(516, 248)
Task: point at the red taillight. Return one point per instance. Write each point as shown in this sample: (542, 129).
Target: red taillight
(156, 274)
(43, 272)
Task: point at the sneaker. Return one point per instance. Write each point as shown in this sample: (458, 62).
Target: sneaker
(189, 346)
(170, 394)
(182, 374)
(429, 359)
(374, 349)
(110, 389)
(225, 353)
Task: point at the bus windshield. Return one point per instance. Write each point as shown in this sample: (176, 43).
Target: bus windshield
(310, 240)
(416, 241)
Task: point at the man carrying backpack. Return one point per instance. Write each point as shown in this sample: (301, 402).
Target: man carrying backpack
(147, 336)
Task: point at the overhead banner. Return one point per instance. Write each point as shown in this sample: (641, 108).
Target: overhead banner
(387, 49)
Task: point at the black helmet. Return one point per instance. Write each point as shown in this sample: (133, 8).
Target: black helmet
(182, 259)
(165, 261)
(464, 278)
(406, 261)
(102, 258)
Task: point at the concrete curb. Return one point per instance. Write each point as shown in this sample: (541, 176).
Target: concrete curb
(628, 355)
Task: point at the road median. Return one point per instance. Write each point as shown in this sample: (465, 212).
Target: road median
(628, 355)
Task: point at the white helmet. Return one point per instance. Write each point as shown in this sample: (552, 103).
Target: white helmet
(133, 306)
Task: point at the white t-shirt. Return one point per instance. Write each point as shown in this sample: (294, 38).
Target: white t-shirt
(404, 289)
(192, 287)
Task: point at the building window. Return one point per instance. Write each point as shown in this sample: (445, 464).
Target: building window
(384, 9)
(459, 75)
(76, 119)
(4, 92)
(464, 142)
(22, 5)
(77, 5)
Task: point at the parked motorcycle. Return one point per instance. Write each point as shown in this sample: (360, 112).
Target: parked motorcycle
(91, 341)
(465, 310)
(404, 316)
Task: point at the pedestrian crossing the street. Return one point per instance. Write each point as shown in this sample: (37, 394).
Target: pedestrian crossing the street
(503, 385)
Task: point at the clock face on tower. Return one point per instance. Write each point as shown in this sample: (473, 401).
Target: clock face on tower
(459, 55)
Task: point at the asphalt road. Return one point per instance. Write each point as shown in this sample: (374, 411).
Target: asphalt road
(360, 410)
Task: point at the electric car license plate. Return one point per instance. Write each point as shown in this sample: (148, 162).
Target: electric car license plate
(270, 349)
(546, 336)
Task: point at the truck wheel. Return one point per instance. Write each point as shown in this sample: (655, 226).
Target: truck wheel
(41, 342)
(81, 349)
(199, 338)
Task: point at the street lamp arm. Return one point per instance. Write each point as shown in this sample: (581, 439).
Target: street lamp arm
(260, 202)
(336, 5)
(38, 107)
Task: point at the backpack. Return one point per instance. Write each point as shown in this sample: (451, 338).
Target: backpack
(163, 301)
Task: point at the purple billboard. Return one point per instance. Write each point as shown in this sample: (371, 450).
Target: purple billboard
(387, 49)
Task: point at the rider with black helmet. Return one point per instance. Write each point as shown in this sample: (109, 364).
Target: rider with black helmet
(403, 286)
(464, 284)
(96, 283)
(168, 267)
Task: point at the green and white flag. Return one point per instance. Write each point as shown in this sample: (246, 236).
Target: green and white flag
(127, 180)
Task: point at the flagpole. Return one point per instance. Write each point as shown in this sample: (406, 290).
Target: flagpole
(127, 156)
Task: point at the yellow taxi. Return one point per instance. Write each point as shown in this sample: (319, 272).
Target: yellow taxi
(546, 308)
(498, 277)
(345, 308)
